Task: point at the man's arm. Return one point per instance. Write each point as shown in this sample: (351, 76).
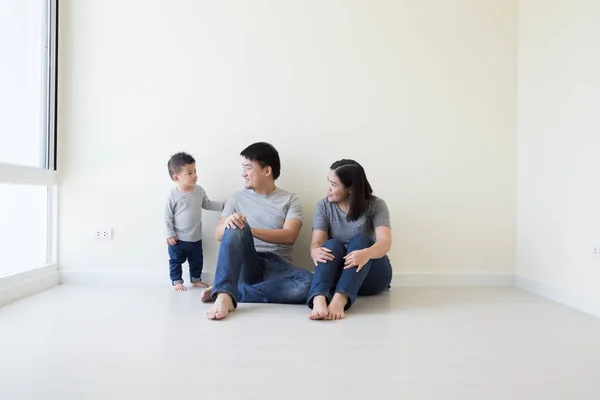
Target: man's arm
(291, 228)
(220, 229)
(230, 213)
(287, 235)
(234, 221)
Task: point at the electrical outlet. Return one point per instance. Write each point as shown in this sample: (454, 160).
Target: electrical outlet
(596, 252)
(103, 234)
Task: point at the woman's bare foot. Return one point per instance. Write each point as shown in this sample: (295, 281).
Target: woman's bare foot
(319, 310)
(336, 307)
(200, 284)
(207, 295)
(223, 305)
(179, 287)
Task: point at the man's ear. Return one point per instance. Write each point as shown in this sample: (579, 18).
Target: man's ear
(268, 171)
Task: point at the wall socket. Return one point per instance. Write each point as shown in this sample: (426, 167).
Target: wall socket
(596, 252)
(103, 234)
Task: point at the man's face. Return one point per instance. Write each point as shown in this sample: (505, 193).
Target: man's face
(254, 175)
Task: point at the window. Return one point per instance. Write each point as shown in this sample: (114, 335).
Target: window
(23, 237)
(28, 38)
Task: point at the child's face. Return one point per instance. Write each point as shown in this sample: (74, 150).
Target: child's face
(187, 176)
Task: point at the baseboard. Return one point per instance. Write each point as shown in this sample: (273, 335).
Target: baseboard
(578, 302)
(19, 285)
(160, 278)
(446, 280)
(139, 278)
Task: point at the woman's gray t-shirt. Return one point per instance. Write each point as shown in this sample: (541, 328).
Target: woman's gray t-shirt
(329, 218)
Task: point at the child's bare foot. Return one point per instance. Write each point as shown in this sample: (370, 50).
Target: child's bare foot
(336, 307)
(200, 284)
(319, 310)
(180, 288)
(207, 295)
(223, 305)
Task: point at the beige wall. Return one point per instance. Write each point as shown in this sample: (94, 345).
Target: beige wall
(422, 93)
(558, 149)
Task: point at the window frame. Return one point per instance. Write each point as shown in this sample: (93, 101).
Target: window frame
(46, 174)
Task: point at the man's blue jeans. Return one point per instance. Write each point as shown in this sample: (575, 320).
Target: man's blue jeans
(331, 277)
(252, 277)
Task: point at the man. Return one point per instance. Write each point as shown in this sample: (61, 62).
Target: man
(257, 230)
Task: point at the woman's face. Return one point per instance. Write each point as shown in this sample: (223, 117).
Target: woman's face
(336, 191)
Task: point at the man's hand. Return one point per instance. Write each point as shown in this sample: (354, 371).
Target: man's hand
(357, 258)
(235, 220)
(321, 255)
(172, 240)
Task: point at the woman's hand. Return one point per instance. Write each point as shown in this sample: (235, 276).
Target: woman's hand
(321, 254)
(357, 258)
(235, 220)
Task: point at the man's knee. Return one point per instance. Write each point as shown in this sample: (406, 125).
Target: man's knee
(298, 293)
(231, 234)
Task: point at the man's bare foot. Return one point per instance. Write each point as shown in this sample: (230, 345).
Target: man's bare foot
(200, 284)
(223, 305)
(319, 310)
(179, 287)
(207, 295)
(336, 307)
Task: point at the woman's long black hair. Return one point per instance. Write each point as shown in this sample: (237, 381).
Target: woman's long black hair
(352, 175)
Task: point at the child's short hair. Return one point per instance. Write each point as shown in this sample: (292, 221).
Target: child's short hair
(177, 161)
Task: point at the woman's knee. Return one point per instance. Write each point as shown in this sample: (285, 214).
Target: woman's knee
(334, 245)
(360, 241)
(378, 279)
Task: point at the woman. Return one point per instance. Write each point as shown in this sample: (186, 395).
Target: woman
(351, 237)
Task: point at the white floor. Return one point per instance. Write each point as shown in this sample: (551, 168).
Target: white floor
(76, 342)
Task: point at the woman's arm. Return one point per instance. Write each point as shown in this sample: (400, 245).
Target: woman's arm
(383, 233)
(318, 239)
(317, 252)
(382, 245)
(383, 242)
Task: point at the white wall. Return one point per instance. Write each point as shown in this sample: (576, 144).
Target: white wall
(422, 93)
(558, 150)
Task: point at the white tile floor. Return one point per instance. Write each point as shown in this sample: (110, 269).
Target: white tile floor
(413, 343)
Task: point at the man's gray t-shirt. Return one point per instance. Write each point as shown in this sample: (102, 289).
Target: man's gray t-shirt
(329, 218)
(183, 213)
(266, 212)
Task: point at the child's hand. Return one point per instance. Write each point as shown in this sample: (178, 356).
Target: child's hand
(172, 240)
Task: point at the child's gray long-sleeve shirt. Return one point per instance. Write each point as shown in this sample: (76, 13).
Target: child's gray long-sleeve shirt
(183, 213)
